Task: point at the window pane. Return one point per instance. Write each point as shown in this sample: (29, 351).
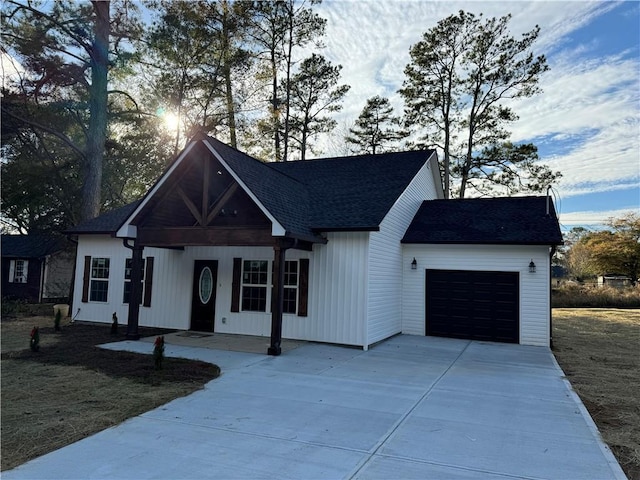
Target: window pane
(205, 285)
(291, 273)
(290, 300)
(254, 299)
(127, 269)
(99, 290)
(19, 273)
(255, 272)
(100, 268)
(127, 292)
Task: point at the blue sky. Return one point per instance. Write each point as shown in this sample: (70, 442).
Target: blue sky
(586, 123)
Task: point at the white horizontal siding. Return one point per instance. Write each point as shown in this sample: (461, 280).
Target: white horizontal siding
(534, 287)
(384, 314)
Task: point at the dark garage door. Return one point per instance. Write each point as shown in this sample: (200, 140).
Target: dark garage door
(473, 305)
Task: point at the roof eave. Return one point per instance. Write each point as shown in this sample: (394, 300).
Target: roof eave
(373, 228)
(491, 242)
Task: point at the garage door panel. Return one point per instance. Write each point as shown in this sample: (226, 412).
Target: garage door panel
(477, 305)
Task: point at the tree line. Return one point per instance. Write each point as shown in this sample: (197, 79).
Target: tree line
(613, 250)
(96, 101)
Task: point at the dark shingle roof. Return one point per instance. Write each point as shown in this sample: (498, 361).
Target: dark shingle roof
(353, 193)
(305, 197)
(343, 193)
(106, 223)
(510, 220)
(30, 246)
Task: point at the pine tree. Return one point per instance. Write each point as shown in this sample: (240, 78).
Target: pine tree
(314, 93)
(459, 77)
(376, 130)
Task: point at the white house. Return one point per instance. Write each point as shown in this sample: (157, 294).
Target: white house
(320, 250)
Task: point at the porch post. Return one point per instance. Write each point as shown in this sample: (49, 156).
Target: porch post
(277, 300)
(135, 295)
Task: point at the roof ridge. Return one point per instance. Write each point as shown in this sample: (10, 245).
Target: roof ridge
(362, 155)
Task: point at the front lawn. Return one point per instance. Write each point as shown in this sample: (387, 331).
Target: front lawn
(70, 389)
(599, 351)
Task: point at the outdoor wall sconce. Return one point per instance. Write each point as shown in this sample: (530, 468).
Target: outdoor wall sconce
(532, 267)
(414, 264)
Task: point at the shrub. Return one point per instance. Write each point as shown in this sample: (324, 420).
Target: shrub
(56, 321)
(158, 352)
(34, 341)
(573, 295)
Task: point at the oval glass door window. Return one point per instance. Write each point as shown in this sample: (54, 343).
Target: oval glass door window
(205, 285)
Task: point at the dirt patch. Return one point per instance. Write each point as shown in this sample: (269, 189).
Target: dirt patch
(71, 389)
(598, 349)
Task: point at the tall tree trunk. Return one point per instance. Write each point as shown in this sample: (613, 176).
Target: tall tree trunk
(97, 131)
(287, 113)
(275, 107)
(231, 113)
(447, 159)
(466, 168)
(303, 143)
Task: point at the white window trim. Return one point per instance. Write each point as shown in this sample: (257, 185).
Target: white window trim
(13, 271)
(99, 279)
(293, 287)
(267, 286)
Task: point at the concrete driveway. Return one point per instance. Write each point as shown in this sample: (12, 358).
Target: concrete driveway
(412, 407)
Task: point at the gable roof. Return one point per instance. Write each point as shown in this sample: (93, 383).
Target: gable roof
(34, 245)
(507, 220)
(286, 199)
(354, 193)
(304, 197)
(327, 194)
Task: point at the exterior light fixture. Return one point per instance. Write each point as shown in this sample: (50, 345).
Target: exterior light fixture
(414, 264)
(532, 267)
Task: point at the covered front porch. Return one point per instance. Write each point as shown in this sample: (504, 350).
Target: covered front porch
(203, 203)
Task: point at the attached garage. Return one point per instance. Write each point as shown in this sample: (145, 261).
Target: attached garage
(467, 269)
(476, 305)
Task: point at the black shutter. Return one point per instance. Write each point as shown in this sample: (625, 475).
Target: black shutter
(235, 285)
(303, 287)
(148, 282)
(86, 278)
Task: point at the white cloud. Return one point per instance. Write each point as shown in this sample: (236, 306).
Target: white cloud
(371, 39)
(590, 106)
(595, 103)
(594, 218)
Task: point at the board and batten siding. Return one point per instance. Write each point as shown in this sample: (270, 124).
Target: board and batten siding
(534, 287)
(336, 296)
(337, 288)
(386, 265)
(171, 295)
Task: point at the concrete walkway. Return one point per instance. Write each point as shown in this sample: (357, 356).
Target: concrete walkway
(412, 407)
